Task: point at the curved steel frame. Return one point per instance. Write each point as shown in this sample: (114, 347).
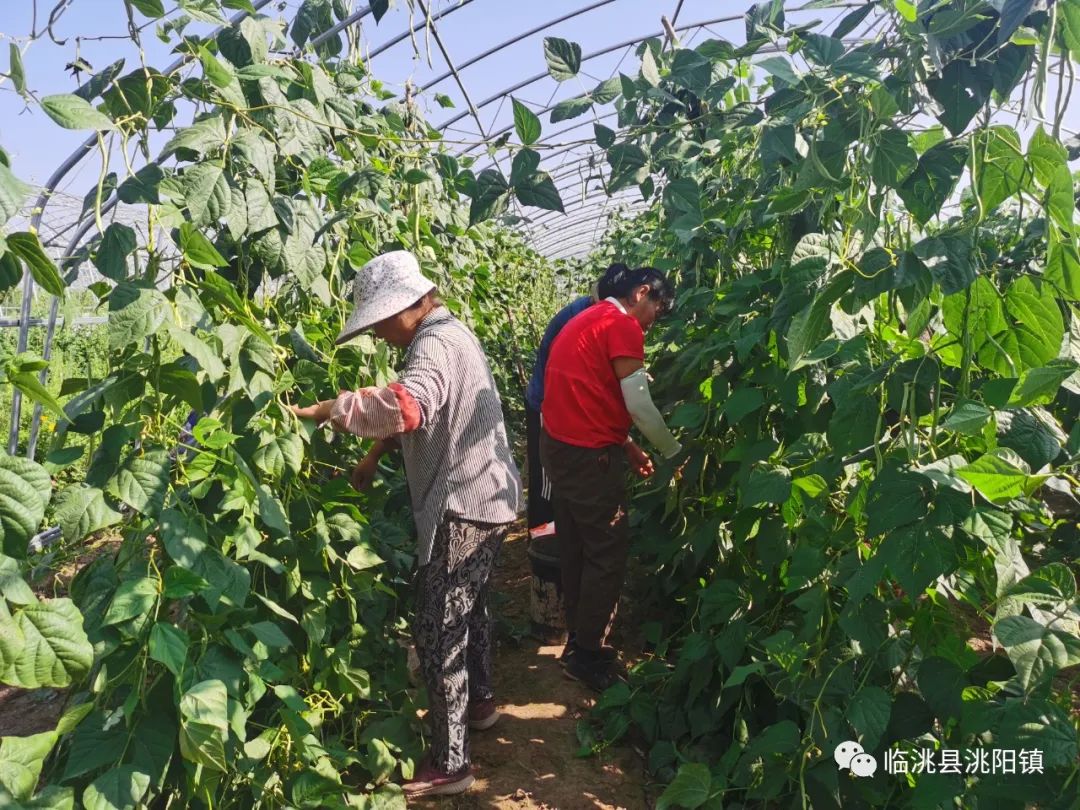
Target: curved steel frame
(592, 204)
(28, 281)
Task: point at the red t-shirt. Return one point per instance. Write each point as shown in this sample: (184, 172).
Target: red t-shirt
(583, 403)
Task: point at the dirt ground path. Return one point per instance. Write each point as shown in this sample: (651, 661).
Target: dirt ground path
(527, 761)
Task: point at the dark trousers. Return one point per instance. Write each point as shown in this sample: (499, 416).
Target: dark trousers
(454, 634)
(590, 500)
(540, 509)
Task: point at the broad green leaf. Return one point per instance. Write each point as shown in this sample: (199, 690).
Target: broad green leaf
(1040, 725)
(967, 416)
(21, 760)
(31, 387)
(169, 646)
(571, 108)
(202, 137)
(742, 403)
(851, 21)
(539, 191)
(280, 454)
(896, 498)
(1039, 386)
(142, 187)
(961, 90)
(204, 724)
(203, 10)
(948, 257)
(206, 193)
(361, 556)
(1036, 329)
(206, 355)
(133, 599)
(16, 71)
(767, 485)
(218, 72)
(53, 797)
(135, 312)
(942, 683)
(813, 485)
(526, 123)
(1013, 14)
(270, 634)
(206, 702)
(81, 510)
(25, 489)
(257, 152)
(690, 788)
(119, 789)
(606, 92)
(524, 166)
(1032, 433)
(563, 58)
(55, 650)
(999, 164)
(996, 479)
(916, 555)
(490, 198)
(1038, 652)
(1069, 11)
(1060, 204)
(28, 247)
(179, 582)
(1046, 156)
(1051, 585)
(12, 586)
(150, 8)
(649, 71)
(94, 744)
(143, 482)
(868, 713)
(117, 244)
(260, 210)
(72, 112)
(934, 179)
(893, 159)
(1063, 266)
(781, 68)
(13, 193)
(197, 249)
(907, 10)
(812, 325)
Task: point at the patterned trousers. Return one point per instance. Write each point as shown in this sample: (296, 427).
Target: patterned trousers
(453, 632)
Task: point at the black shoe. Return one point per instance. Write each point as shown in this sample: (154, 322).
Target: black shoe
(592, 669)
(568, 650)
(607, 653)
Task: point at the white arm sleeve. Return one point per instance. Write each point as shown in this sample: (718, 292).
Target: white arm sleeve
(635, 391)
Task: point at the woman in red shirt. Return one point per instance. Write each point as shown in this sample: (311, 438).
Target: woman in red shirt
(595, 388)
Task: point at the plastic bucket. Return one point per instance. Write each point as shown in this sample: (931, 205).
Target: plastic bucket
(546, 617)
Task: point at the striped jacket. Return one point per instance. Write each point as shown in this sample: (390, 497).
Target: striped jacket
(457, 456)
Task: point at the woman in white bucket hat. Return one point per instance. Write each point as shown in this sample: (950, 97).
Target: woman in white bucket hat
(445, 414)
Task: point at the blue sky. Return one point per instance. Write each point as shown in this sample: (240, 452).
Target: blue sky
(37, 145)
(467, 27)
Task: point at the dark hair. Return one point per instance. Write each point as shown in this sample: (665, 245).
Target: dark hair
(618, 280)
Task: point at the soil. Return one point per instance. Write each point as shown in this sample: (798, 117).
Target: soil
(528, 761)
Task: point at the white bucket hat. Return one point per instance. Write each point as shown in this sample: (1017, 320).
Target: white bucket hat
(384, 287)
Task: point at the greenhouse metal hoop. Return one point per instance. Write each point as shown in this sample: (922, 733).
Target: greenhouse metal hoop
(594, 204)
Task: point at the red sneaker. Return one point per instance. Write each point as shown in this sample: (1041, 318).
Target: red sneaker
(483, 715)
(430, 781)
